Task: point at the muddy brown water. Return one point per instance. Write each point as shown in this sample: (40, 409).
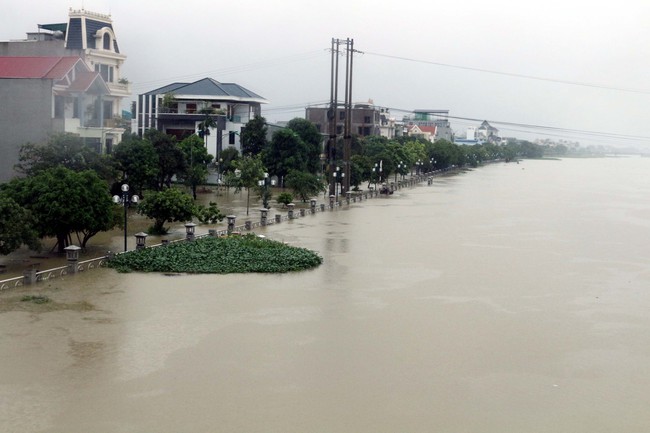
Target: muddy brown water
(510, 298)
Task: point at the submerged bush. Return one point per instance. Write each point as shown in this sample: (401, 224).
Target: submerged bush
(234, 254)
(36, 299)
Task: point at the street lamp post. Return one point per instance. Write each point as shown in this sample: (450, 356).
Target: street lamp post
(400, 167)
(125, 201)
(219, 168)
(378, 171)
(264, 183)
(338, 177)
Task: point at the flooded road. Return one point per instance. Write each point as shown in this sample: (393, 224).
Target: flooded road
(513, 298)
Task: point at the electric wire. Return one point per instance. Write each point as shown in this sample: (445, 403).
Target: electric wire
(511, 74)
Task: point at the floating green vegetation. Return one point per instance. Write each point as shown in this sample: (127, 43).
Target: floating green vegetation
(233, 254)
(36, 299)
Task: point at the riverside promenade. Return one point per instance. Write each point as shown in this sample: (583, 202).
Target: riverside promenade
(32, 274)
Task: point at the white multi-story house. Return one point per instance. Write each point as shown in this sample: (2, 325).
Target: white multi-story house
(179, 108)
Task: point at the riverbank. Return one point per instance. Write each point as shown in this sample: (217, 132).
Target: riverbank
(230, 203)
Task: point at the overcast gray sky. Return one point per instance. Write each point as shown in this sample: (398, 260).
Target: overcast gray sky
(503, 61)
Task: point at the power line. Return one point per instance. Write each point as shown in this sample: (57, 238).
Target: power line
(512, 74)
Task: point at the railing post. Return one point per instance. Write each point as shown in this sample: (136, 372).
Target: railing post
(140, 240)
(291, 206)
(264, 216)
(312, 203)
(72, 254)
(189, 231)
(332, 198)
(29, 277)
(231, 223)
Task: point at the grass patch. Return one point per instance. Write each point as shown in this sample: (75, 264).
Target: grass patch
(35, 299)
(234, 254)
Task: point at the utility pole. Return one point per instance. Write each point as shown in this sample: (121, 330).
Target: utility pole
(347, 133)
(333, 117)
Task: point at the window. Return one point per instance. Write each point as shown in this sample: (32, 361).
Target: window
(231, 137)
(190, 108)
(105, 71)
(216, 106)
(366, 119)
(59, 107)
(107, 41)
(341, 115)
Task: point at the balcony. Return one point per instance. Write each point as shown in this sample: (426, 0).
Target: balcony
(119, 89)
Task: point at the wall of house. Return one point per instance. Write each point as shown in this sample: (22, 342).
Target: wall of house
(37, 48)
(25, 117)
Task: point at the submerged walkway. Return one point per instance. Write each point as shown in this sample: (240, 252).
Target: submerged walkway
(73, 265)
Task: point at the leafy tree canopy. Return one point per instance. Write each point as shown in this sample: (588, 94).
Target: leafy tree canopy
(227, 157)
(312, 140)
(305, 185)
(197, 159)
(168, 205)
(137, 159)
(253, 136)
(171, 160)
(285, 152)
(16, 226)
(64, 202)
(250, 170)
(65, 150)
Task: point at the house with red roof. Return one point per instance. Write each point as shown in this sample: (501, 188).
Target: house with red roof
(45, 95)
(74, 68)
(422, 131)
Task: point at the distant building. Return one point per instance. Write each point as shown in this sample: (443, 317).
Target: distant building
(176, 109)
(487, 132)
(437, 119)
(367, 120)
(424, 132)
(46, 90)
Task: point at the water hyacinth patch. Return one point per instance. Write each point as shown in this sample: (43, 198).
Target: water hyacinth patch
(233, 254)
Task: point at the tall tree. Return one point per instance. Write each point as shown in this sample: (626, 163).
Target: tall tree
(285, 152)
(64, 202)
(206, 124)
(169, 205)
(137, 159)
(197, 159)
(313, 142)
(305, 185)
(65, 150)
(253, 136)
(250, 170)
(171, 160)
(16, 226)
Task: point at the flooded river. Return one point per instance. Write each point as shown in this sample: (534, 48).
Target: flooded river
(512, 298)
